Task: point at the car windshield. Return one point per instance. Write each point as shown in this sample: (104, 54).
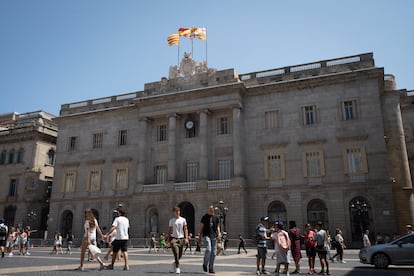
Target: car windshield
(408, 239)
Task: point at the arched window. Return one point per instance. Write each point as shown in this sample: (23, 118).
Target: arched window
(277, 212)
(317, 211)
(360, 214)
(20, 155)
(187, 212)
(51, 157)
(11, 156)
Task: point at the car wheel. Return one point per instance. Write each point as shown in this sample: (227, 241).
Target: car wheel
(380, 260)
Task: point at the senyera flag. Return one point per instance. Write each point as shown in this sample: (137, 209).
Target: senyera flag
(173, 39)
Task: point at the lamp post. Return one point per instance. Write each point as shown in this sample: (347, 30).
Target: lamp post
(222, 210)
(359, 209)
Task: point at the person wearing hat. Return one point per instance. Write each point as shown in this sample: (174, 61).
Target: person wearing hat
(261, 239)
(409, 228)
(3, 235)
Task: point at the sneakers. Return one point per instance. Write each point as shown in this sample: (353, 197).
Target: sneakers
(258, 272)
(343, 262)
(110, 267)
(102, 266)
(126, 268)
(80, 268)
(264, 272)
(177, 270)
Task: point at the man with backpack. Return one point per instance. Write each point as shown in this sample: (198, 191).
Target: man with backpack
(3, 235)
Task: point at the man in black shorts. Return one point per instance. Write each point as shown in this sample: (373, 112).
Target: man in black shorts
(121, 224)
(261, 239)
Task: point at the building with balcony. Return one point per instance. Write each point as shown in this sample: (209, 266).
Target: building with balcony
(27, 157)
(323, 141)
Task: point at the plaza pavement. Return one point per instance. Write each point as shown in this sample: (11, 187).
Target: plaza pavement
(40, 262)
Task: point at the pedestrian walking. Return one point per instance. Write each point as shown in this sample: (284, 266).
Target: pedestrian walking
(90, 227)
(177, 236)
(121, 225)
(295, 238)
(365, 239)
(4, 230)
(261, 240)
(322, 247)
(242, 244)
(57, 244)
(209, 232)
(339, 244)
(69, 242)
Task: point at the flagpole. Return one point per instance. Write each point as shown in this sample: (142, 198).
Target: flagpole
(206, 47)
(178, 54)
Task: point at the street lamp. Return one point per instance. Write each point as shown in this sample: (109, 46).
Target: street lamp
(222, 210)
(360, 214)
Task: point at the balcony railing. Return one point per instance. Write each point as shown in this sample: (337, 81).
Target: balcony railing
(185, 186)
(219, 184)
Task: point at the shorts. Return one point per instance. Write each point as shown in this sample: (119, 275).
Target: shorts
(119, 245)
(261, 253)
(2, 242)
(311, 251)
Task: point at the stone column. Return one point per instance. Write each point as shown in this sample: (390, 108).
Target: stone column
(398, 165)
(203, 132)
(237, 142)
(142, 136)
(172, 128)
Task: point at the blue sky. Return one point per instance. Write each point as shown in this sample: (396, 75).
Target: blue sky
(54, 52)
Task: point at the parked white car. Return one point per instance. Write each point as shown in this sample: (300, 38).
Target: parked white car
(398, 252)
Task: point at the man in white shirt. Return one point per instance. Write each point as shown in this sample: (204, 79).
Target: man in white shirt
(121, 225)
(177, 236)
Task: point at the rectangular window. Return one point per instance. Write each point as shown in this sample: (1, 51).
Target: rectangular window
(121, 179)
(274, 166)
(13, 187)
(349, 110)
(313, 164)
(160, 174)
(192, 172)
(122, 137)
(355, 161)
(224, 169)
(272, 119)
(69, 182)
(72, 143)
(222, 126)
(97, 140)
(162, 133)
(94, 181)
(309, 115)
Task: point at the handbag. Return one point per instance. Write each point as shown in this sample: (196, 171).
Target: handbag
(94, 249)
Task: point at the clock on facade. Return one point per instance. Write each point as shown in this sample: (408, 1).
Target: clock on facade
(189, 124)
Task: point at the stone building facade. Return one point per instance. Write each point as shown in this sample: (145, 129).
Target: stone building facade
(27, 156)
(322, 141)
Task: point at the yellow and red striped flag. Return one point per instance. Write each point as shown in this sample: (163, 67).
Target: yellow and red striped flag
(173, 39)
(186, 32)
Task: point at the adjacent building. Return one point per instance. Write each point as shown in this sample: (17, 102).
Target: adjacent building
(27, 157)
(326, 141)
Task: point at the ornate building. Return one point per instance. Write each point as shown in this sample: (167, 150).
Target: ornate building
(322, 141)
(27, 156)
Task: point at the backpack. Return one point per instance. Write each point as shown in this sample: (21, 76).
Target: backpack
(3, 231)
(283, 242)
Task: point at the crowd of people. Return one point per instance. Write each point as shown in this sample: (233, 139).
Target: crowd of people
(287, 243)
